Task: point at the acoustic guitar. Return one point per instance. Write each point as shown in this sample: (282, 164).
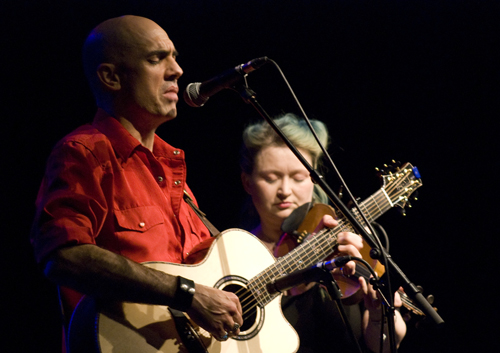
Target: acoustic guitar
(238, 262)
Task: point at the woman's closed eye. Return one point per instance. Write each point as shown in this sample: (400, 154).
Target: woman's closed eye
(300, 177)
(270, 180)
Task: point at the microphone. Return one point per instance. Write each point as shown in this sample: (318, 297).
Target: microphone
(197, 94)
(306, 275)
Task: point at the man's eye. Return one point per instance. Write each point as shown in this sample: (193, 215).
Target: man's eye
(155, 59)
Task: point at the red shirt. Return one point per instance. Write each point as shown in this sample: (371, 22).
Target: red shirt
(103, 187)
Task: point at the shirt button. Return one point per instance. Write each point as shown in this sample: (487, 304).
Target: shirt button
(142, 224)
(176, 152)
(160, 179)
(177, 182)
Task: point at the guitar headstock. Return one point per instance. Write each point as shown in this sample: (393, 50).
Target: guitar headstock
(400, 183)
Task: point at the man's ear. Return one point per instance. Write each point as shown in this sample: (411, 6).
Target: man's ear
(246, 182)
(108, 76)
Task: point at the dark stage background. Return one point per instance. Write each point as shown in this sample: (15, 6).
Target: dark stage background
(415, 81)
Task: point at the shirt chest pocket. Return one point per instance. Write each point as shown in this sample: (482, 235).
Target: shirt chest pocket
(139, 219)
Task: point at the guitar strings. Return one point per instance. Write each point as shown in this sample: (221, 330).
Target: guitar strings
(249, 301)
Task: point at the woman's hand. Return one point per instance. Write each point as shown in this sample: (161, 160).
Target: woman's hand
(349, 244)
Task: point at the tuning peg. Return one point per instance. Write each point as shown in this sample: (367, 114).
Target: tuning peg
(388, 169)
(430, 299)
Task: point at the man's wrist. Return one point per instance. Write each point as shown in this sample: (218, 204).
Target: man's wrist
(184, 293)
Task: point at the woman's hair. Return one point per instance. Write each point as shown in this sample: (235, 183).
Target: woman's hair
(260, 135)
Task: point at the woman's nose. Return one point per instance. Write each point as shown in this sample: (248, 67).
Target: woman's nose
(284, 190)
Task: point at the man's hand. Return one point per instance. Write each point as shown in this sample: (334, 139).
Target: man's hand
(219, 312)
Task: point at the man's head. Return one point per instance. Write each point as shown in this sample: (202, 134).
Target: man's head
(131, 66)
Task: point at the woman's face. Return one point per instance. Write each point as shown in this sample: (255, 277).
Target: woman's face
(278, 184)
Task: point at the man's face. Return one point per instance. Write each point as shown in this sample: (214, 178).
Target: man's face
(149, 73)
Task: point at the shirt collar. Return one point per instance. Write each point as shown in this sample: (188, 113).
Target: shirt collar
(124, 143)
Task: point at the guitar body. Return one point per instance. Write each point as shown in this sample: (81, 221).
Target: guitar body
(233, 258)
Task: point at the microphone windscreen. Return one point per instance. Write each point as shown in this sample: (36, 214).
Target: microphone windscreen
(192, 95)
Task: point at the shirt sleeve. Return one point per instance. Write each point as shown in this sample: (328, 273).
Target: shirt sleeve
(70, 206)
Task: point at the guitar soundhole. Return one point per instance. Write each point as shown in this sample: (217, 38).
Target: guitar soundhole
(253, 314)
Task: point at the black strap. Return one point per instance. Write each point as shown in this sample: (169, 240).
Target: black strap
(187, 333)
(211, 228)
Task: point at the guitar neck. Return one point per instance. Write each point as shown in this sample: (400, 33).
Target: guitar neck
(374, 206)
(311, 251)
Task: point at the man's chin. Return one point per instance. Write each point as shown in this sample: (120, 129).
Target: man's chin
(170, 114)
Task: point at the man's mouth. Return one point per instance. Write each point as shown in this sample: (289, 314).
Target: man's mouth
(171, 93)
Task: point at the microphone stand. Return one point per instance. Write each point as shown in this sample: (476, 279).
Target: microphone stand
(249, 96)
(326, 278)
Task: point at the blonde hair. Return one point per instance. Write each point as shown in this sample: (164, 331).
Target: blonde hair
(259, 135)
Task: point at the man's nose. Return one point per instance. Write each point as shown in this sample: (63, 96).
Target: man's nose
(173, 71)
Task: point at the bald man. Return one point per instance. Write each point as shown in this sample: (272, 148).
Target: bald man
(112, 194)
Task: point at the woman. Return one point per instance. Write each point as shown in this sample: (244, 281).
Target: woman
(278, 183)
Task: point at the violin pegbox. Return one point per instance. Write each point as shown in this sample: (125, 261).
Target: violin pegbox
(400, 183)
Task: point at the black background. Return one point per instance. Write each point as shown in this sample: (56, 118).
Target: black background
(415, 81)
